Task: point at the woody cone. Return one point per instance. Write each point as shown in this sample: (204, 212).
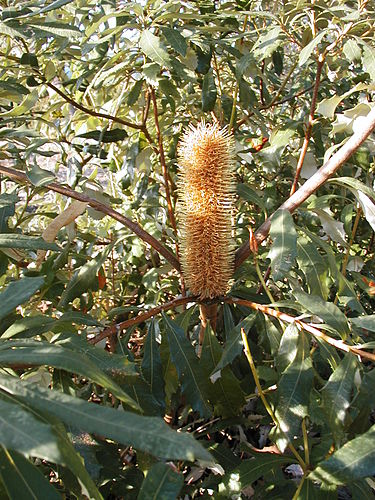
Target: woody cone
(206, 188)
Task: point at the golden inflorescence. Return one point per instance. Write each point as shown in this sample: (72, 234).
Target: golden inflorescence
(206, 189)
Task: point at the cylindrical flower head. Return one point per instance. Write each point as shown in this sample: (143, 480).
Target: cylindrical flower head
(206, 188)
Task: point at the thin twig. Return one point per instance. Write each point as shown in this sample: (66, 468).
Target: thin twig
(339, 344)
(314, 182)
(114, 329)
(103, 208)
(264, 399)
(92, 112)
(309, 125)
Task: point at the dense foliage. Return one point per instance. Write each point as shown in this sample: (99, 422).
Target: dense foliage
(98, 336)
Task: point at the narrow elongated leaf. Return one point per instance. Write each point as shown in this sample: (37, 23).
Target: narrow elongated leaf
(294, 392)
(175, 40)
(328, 311)
(39, 176)
(233, 345)
(17, 293)
(151, 365)
(149, 434)
(313, 266)
(336, 394)
(284, 246)
(13, 352)
(366, 322)
(22, 108)
(21, 431)
(209, 91)
(225, 394)
(153, 48)
(355, 460)
(161, 483)
(267, 43)
(288, 347)
(308, 50)
(261, 464)
(85, 278)
(193, 381)
(22, 479)
(27, 242)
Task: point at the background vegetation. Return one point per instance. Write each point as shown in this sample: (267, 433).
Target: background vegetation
(98, 335)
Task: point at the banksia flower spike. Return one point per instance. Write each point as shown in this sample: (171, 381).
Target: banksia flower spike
(206, 188)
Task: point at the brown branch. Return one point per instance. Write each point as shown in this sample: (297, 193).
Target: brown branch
(114, 329)
(314, 182)
(92, 112)
(309, 126)
(103, 208)
(339, 344)
(163, 162)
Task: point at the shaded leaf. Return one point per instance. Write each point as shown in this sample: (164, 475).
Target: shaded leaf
(161, 483)
(26, 242)
(151, 365)
(225, 394)
(175, 39)
(328, 311)
(294, 392)
(306, 52)
(22, 479)
(149, 434)
(17, 293)
(284, 246)
(354, 460)
(39, 176)
(209, 91)
(194, 384)
(336, 394)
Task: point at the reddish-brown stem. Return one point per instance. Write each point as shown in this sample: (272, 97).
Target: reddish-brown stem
(163, 162)
(339, 344)
(309, 125)
(166, 177)
(313, 183)
(92, 112)
(103, 208)
(114, 329)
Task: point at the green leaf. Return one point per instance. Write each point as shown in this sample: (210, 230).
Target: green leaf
(149, 434)
(22, 479)
(249, 194)
(175, 40)
(313, 267)
(193, 382)
(209, 91)
(24, 107)
(368, 61)
(39, 176)
(151, 365)
(27, 242)
(328, 311)
(106, 136)
(336, 395)
(17, 293)
(233, 345)
(352, 50)
(161, 483)
(134, 93)
(13, 352)
(53, 6)
(154, 49)
(308, 50)
(261, 464)
(29, 59)
(294, 392)
(225, 394)
(288, 347)
(267, 43)
(355, 460)
(366, 322)
(85, 278)
(284, 246)
(23, 432)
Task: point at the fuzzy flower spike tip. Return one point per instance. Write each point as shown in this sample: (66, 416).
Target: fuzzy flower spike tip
(206, 188)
